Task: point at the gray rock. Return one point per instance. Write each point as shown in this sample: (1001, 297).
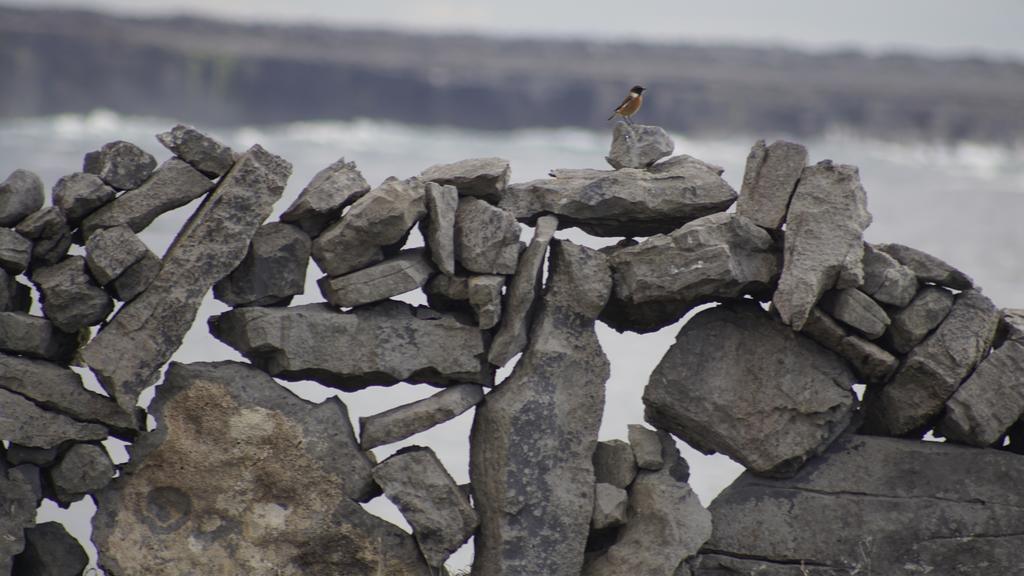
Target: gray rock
(823, 248)
(614, 463)
(911, 324)
(127, 354)
(326, 195)
(626, 202)
(83, 469)
(70, 298)
(1011, 326)
(49, 233)
(857, 310)
(610, 506)
(436, 508)
(485, 298)
(769, 182)
(722, 256)
(510, 339)
(486, 238)
(14, 296)
(18, 501)
(262, 481)
(80, 194)
(172, 186)
(920, 508)
(638, 146)
(442, 202)
(484, 178)
(35, 337)
(989, 401)
(50, 551)
(373, 227)
(203, 153)
(928, 268)
(448, 293)
(533, 439)
(868, 360)
(111, 251)
(41, 457)
(376, 345)
(15, 251)
(21, 194)
(403, 421)
(27, 424)
(136, 278)
(735, 376)
(934, 369)
(122, 165)
(886, 280)
(647, 447)
(408, 271)
(273, 270)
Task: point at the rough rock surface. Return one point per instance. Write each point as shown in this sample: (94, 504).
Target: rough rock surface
(273, 270)
(871, 362)
(83, 469)
(14, 296)
(50, 551)
(240, 476)
(442, 202)
(70, 298)
(484, 178)
(137, 277)
(436, 508)
(485, 298)
(769, 181)
(823, 248)
(203, 153)
(911, 324)
(27, 424)
(533, 438)
(15, 251)
(326, 195)
(988, 402)
(928, 268)
(374, 345)
(49, 233)
(486, 238)
(610, 506)
(886, 280)
(21, 194)
(638, 146)
(35, 337)
(80, 194)
(647, 447)
(614, 463)
(448, 293)
(42, 457)
(122, 165)
(111, 251)
(857, 310)
(18, 500)
(736, 376)
(408, 271)
(403, 421)
(626, 202)
(143, 335)
(920, 508)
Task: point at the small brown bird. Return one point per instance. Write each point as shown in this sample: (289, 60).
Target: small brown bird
(630, 105)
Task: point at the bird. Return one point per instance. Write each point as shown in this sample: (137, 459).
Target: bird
(631, 104)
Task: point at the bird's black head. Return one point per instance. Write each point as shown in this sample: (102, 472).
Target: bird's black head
(638, 89)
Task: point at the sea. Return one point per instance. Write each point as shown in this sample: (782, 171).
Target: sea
(963, 202)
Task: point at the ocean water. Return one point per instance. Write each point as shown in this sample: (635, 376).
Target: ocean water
(963, 203)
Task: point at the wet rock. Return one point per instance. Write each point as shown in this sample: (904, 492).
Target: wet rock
(442, 202)
(35, 337)
(868, 360)
(122, 165)
(911, 324)
(408, 271)
(403, 421)
(436, 508)
(127, 354)
(638, 146)
(376, 345)
(928, 268)
(80, 194)
(373, 227)
(261, 479)
(610, 506)
(486, 238)
(172, 186)
(735, 376)
(201, 152)
(83, 469)
(990, 401)
(523, 291)
(273, 270)
(327, 194)
(484, 178)
(18, 501)
(14, 296)
(49, 233)
(111, 251)
(626, 202)
(21, 194)
(921, 508)
(15, 251)
(886, 280)
(27, 424)
(50, 551)
(769, 181)
(857, 310)
(614, 463)
(647, 447)
(533, 439)
(934, 369)
(137, 277)
(823, 247)
(485, 298)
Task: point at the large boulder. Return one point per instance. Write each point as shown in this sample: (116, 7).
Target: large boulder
(202, 152)
(769, 181)
(486, 238)
(70, 297)
(21, 194)
(273, 270)
(638, 146)
(326, 195)
(484, 178)
(403, 421)
(120, 164)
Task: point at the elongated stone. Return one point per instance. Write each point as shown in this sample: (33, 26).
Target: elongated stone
(403, 421)
(769, 182)
(484, 178)
(408, 271)
(27, 424)
(202, 152)
(442, 202)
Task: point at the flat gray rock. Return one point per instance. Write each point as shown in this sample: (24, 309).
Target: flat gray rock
(485, 294)
(886, 280)
(35, 337)
(408, 271)
(857, 310)
(638, 146)
(375, 225)
(736, 377)
(49, 233)
(935, 368)
(128, 353)
(261, 479)
(610, 507)
(614, 463)
(824, 246)
(928, 268)
(486, 238)
(375, 345)
(18, 500)
(172, 186)
(533, 439)
(989, 401)
(136, 278)
(28, 424)
(15, 251)
(111, 251)
(327, 194)
(436, 508)
(273, 270)
(870, 361)
(484, 178)
(647, 447)
(403, 421)
(80, 194)
(201, 152)
(83, 469)
(626, 202)
(122, 165)
(769, 182)
(912, 324)
(50, 551)
(921, 508)
(21, 194)
(442, 202)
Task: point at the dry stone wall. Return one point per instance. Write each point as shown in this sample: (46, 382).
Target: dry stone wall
(240, 476)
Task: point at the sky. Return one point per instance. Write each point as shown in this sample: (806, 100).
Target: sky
(938, 27)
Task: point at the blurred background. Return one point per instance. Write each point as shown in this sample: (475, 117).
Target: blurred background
(925, 96)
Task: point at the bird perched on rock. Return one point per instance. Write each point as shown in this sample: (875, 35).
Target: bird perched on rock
(631, 104)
